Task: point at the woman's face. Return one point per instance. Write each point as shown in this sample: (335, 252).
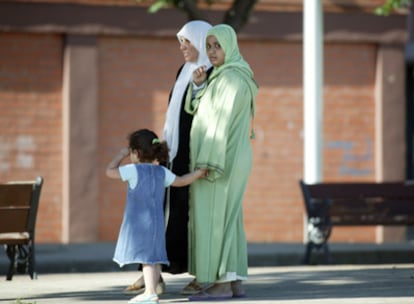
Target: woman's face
(190, 53)
(214, 51)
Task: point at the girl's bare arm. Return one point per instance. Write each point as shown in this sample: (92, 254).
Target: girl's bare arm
(184, 180)
(112, 168)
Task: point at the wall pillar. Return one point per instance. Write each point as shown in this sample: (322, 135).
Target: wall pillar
(390, 125)
(80, 125)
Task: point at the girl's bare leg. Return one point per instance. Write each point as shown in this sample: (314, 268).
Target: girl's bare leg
(139, 286)
(151, 275)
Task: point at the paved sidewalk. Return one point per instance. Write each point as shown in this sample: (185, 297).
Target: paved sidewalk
(374, 284)
(85, 273)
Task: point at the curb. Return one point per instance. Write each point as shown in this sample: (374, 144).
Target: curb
(97, 257)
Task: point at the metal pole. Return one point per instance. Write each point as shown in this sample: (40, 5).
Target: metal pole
(312, 89)
(409, 58)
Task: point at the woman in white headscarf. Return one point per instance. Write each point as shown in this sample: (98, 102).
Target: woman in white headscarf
(192, 39)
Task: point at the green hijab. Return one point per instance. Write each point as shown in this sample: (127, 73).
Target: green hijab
(227, 38)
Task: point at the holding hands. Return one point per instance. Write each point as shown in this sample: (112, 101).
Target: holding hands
(202, 173)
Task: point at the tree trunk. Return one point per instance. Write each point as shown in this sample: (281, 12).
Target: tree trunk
(238, 15)
(190, 8)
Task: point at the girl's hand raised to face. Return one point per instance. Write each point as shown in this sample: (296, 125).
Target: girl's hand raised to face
(200, 75)
(124, 151)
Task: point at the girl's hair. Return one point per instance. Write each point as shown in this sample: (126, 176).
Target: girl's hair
(148, 145)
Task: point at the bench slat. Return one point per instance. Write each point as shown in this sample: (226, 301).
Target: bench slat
(14, 220)
(18, 211)
(15, 194)
(354, 204)
(361, 190)
(14, 238)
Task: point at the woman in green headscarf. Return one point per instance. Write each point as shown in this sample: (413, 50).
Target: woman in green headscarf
(220, 141)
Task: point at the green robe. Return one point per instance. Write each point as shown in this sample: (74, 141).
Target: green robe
(220, 141)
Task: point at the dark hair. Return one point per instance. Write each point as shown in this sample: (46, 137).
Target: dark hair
(148, 145)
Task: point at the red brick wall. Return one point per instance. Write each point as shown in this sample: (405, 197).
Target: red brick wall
(135, 77)
(273, 208)
(31, 120)
(349, 122)
(134, 89)
(273, 205)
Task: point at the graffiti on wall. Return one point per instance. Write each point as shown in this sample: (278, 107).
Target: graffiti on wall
(353, 163)
(17, 153)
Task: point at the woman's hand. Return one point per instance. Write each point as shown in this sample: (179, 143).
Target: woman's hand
(200, 75)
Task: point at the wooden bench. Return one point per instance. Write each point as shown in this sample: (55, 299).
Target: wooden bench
(353, 204)
(19, 202)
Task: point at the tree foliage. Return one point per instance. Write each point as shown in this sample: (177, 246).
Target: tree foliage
(237, 15)
(391, 5)
(240, 10)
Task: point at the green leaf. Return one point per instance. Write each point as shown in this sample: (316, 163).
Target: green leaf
(159, 4)
(390, 5)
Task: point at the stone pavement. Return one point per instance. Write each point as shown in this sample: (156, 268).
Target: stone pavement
(340, 284)
(85, 273)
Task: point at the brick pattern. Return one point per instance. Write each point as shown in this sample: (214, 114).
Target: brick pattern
(31, 121)
(135, 77)
(273, 204)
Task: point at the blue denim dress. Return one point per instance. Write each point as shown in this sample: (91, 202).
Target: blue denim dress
(142, 235)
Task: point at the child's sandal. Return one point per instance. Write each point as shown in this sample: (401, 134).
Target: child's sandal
(151, 299)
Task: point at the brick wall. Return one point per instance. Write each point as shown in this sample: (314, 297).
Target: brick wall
(273, 205)
(135, 75)
(31, 120)
(134, 88)
(133, 93)
(349, 122)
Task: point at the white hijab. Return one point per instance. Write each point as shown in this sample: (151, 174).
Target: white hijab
(195, 32)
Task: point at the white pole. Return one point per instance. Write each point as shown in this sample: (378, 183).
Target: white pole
(312, 89)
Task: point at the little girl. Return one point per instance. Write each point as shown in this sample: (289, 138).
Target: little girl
(142, 235)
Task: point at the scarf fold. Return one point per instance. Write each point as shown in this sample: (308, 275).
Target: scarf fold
(217, 102)
(233, 60)
(196, 33)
